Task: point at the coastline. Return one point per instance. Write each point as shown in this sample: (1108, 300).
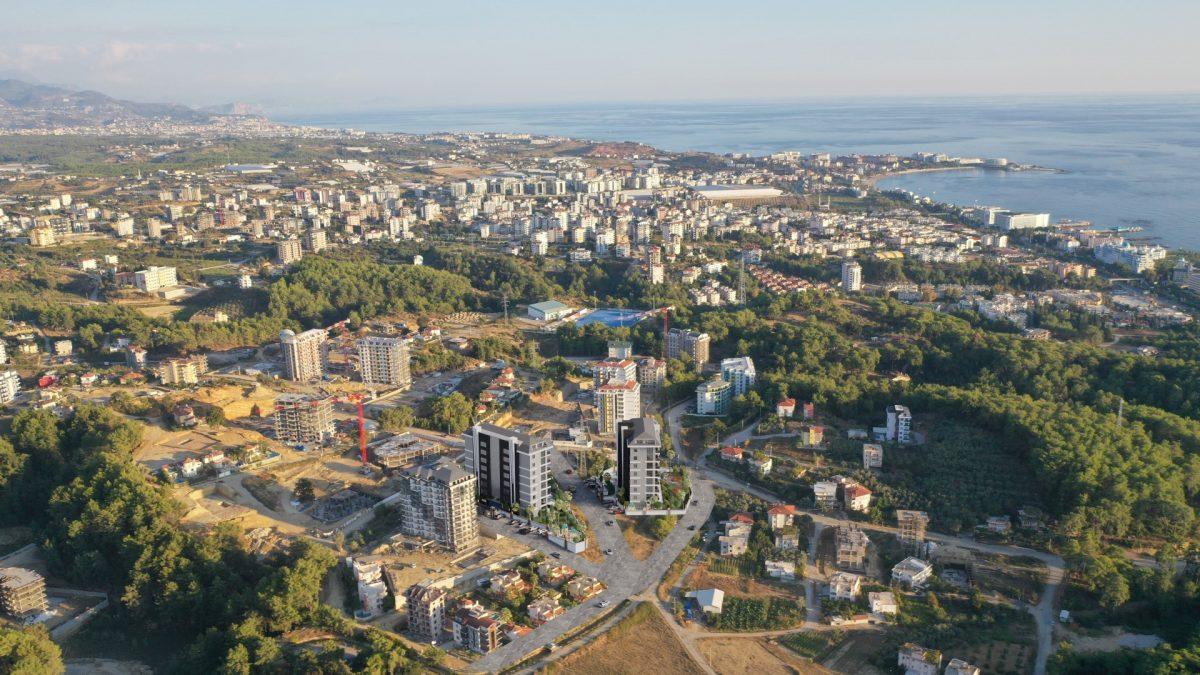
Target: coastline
(871, 180)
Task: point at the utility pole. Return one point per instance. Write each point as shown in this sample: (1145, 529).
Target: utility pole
(504, 302)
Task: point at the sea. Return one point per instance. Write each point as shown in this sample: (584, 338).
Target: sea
(1125, 161)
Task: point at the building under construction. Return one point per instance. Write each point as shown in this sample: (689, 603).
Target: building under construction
(303, 419)
(22, 592)
(912, 526)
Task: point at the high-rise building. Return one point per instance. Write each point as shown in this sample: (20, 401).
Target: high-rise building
(183, 370)
(437, 503)
(740, 373)
(315, 240)
(384, 360)
(651, 373)
(617, 402)
(512, 468)
(303, 419)
(639, 442)
(851, 276)
(288, 251)
(153, 278)
(10, 386)
(22, 592)
(714, 397)
(613, 370)
(692, 343)
(303, 354)
(899, 424)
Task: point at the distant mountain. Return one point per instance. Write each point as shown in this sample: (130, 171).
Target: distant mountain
(24, 105)
(235, 108)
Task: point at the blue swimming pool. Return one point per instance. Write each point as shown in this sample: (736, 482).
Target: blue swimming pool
(615, 318)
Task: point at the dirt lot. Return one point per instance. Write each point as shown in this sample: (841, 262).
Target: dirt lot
(641, 643)
(747, 656)
(854, 654)
(640, 545)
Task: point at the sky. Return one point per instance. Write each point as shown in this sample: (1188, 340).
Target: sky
(354, 55)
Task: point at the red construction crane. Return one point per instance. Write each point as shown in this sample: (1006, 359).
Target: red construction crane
(357, 400)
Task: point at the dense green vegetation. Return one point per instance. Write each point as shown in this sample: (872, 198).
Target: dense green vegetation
(104, 524)
(29, 651)
(744, 614)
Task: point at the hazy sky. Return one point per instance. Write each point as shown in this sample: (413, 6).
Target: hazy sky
(354, 54)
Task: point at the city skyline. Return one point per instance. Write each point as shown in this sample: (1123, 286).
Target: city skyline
(297, 58)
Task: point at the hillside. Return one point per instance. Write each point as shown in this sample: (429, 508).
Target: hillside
(24, 105)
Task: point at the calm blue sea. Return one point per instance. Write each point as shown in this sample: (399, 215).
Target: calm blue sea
(1129, 161)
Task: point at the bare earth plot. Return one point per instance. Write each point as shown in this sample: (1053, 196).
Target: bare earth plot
(641, 643)
(751, 656)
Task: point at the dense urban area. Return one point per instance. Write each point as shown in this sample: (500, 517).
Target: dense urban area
(294, 400)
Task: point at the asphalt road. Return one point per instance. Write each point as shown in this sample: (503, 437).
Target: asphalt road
(625, 576)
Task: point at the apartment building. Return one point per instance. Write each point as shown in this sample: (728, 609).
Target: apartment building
(740, 373)
(899, 424)
(613, 370)
(714, 397)
(426, 611)
(851, 276)
(288, 251)
(651, 373)
(617, 402)
(511, 467)
(303, 354)
(639, 442)
(384, 360)
(10, 386)
(22, 592)
(690, 344)
(872, 456)
(303, 419)
(183, 371)
(914, 659)
(315, 240)
(437, 502)
(152, 279)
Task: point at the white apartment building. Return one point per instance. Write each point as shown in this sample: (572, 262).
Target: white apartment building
(511, 467)
(639, 442)
(10, 386)
(714, 397)
(899, 424)
(303, 354)
(851, 276)
(617, 402)
(740, 373)
(613, 370)
(384, 360)
(151, 279)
